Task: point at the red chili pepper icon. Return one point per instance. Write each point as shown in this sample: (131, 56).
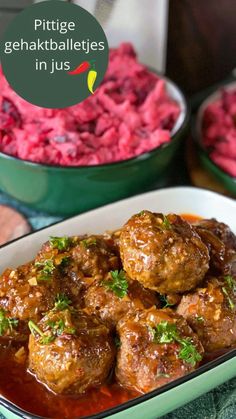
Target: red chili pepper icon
(80, 69)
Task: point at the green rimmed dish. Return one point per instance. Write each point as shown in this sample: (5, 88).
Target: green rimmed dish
(170, 397)
(178, 200)
(72, 190)
(219, 174)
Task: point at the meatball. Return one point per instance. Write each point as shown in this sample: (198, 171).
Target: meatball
(215, 247)
(84, 258)
(70, 351)
(164, 253)
(29, 290)
(211, 312)
(116, 296)
(156, 347)
(95, 257)
(221, 243)
(220, 230)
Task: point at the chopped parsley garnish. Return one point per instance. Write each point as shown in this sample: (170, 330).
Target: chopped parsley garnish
(188, 352)
(57, 328)
(62, 302)
(34, 329)
(49, 265)
(118, 283)
(46, 339)
(141, 213)
(6, 323)
(64, 261)
(117, 342)
(47, 268)
(200, 319)
(231, 282)
(165, 301)
(230, 302)
(166, 223)
(89, 242)
(60, 243)
(166, 332)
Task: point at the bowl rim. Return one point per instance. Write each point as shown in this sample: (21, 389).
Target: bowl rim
(197, 129)
(13, 408)
(178, 127)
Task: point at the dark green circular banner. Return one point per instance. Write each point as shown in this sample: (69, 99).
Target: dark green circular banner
(54, 54)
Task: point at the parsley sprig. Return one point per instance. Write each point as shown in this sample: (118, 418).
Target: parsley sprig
(165, 301)
(188, 352)
(62, 302)
(7, 324)
(118, 283)
(199, 319)
(231, 284)
(166, 225)
(64, 261)
(166, 332)
(230, 302)
(89, 242)
(59, 327)
(141, 213)
(56, 328)
(60, 243)
(35, 330)
(47, 268)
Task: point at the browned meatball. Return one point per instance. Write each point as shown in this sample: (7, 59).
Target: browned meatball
(29, 290)
(220, 230)
(221, 243)
(156, 347)
(95, 257)
(211, 312)
(215, 247)
(84, 258)
(116, 296)
(70, 351)
(94, 254)
(164, 253)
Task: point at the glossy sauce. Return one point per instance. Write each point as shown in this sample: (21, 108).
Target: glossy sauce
(21, 388)
(191, 218)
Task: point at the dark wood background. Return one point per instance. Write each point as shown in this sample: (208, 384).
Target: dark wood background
(8, 9)
(201, 39)
(201, 42)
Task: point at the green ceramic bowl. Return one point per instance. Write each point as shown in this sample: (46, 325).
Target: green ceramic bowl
(219, 174)
(72, 190)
